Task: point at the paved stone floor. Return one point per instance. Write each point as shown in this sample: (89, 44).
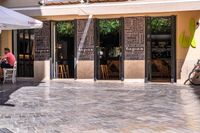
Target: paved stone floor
(99, 107)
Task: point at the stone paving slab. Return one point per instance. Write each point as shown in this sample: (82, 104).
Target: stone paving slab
(99, 107)
(4, 130)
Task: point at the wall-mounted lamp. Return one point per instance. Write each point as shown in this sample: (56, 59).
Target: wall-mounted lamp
(84, 1)
(41, 2)
(197, 24)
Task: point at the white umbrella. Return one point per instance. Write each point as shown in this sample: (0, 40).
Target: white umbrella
(10, 20)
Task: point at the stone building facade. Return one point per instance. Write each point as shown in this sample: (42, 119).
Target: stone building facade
(134, 35)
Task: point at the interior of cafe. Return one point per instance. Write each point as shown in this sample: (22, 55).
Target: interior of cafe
(64, 51)
(109, 49)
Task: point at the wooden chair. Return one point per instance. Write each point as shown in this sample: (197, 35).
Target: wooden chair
(63, 71)
(60, 71)
(104, 71)
(66, 71)
(10, 73)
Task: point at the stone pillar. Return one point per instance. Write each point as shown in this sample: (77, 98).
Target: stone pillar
(134, 46)
(42, 52)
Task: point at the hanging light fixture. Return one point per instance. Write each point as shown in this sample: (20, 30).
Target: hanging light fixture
(42, 2)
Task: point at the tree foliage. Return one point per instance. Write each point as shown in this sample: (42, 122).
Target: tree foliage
(161, 25)
(65, 29)
(109, 26)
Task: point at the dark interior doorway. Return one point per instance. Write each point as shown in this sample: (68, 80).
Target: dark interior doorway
(25, 53)
(160, 49)
(109, 49)
(64, 49)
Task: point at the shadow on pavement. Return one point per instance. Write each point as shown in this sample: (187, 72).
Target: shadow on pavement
(196, 90)
(8, 88)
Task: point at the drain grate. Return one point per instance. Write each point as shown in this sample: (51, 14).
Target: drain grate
(5, 130)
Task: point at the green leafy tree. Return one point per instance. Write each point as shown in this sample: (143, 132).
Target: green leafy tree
(109, 26)
(160, 25)
(65, 29)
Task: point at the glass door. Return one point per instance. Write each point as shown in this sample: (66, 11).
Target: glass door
(160, 49)
(109, 50)
(25, 53)
(64, 49)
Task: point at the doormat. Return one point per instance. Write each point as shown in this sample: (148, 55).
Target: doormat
(5, 130)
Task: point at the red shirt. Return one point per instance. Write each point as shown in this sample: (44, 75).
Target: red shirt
(10, 58)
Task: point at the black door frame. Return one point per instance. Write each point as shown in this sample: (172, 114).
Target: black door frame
(53, 41)
(31, 61)
(97, 41)
(148, 48)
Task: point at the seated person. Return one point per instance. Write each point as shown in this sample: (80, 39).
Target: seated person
(8, 60)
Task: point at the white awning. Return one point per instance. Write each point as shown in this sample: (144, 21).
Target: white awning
(10, 20)
(109, 8)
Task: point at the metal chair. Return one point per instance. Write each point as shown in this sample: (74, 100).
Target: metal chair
(10, 73)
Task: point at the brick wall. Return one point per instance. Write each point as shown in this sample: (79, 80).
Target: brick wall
(134, 38)
(42, 42)
(87, 50)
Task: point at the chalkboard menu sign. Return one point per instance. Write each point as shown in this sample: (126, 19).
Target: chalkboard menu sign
(42, 42)
(85, 51)
(134, 38)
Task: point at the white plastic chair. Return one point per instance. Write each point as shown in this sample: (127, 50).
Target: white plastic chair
(10, 73)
